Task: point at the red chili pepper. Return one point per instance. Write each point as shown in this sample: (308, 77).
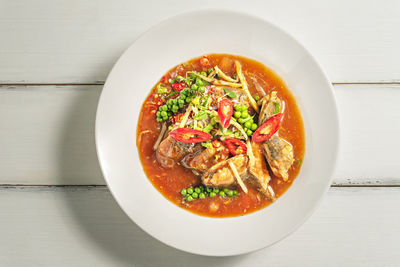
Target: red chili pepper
(178, 86)
(164, 79)
(268, 129)
(216, 143)
(235, 146)
(225, 111)
(186, 135)
(204, 62)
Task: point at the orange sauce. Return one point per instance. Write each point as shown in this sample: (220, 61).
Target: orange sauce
(169, 181)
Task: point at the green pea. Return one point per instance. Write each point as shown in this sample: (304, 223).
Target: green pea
(230, 193)
(188, 100)
(194, 87)
(256, 98)
(237, 114)
(216, 190)
(190, 190)
(189, 198)
(254, 127)
(245, 129)
(159, 119)
(175, 107)
(202, 89)
(183, 192)
(245, 114)
(181, 101)
(222, 193)
(199, 81)
(197, 190)
(247, 124)
(163, 114)
(210, 70)
(212, 194)
(236, 107)
(209, 190)
(241, 120)
(237, 134)
(226, 190)
(235, 192)
(192, 75)
(203, 73)
(202, 196)
(202, 188)
(243, 108)
(164, 108)
(195, 195)
(249, 132)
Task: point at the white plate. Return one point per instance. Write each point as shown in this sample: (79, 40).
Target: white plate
(172, 42)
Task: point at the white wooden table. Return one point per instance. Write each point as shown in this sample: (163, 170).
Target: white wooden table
(55, 208)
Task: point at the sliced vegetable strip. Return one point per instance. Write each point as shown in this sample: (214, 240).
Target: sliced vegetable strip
(237, 176)
(224, 76)
(268, 129)
(187, 135)
(244, 85)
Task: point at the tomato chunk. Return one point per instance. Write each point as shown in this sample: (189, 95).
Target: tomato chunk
(235, 146)
(267, 129)
(225, 111)
(187, 135)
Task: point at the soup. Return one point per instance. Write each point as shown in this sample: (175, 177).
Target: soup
(221, 135)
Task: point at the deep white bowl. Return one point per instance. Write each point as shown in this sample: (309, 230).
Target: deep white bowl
(174, 41)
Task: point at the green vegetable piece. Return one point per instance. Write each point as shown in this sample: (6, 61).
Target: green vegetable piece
(199, 81)
(237, 114)
(209, 189)
(197, 190)
(235, 192)
(230, 193)
(201, 116)
(212, 194)
(183, 192)
(216, 190)
(247, 124)
(249, 132)
(189, 198)
(241, 120)
(202, 196)
(203, 73)
(161, 89)
(254, 127)
(202, 89)
(230, 93)
(277, 108)
(195, 195)
(190, 190)
(256, 98)
(210, 70)
(222, 193)
(243, 107)
(194, 87)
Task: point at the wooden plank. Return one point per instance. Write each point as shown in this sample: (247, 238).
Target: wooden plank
(59, 41)
(84, 227)
(47, 135)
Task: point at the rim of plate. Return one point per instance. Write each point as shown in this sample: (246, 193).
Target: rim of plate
(106, 169)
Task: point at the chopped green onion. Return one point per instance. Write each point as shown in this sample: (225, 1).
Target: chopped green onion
(200, 116)
(206, 144)
(230, 93)
(277, 107)
(299, 162)
(162, 89)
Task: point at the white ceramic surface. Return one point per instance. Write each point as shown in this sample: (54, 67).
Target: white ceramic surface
(139, 68)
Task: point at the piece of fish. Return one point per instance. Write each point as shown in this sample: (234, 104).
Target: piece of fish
(221, 175)
(277, 151)
(203, 159)
(170, 151)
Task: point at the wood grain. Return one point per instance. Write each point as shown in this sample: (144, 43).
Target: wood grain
(81, 226)
(58, 41)
(47, 135)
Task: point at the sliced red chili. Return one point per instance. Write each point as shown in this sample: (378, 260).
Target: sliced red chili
(186, 135)
(216, 143)
(225, 111)
(235, 146)
(204, 62)
(178, 86)
(267, 129)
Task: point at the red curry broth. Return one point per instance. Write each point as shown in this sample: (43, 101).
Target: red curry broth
(169, 181)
